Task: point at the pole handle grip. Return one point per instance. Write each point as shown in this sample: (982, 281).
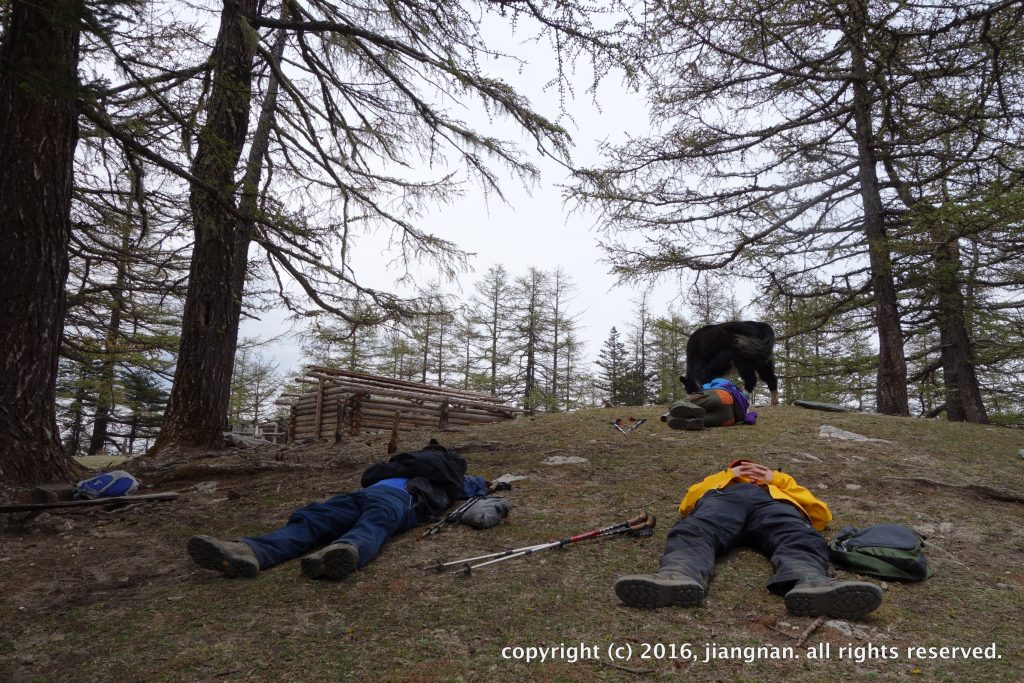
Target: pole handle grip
(642, 524)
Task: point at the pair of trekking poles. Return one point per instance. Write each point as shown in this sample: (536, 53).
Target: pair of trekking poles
(454, 518)
(620, 423)
(641, 525)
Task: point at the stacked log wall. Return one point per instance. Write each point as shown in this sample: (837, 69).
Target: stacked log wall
(342, 402)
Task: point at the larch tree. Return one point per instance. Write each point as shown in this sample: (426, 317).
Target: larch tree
(532, 328)
(770, 145)
(197, 411)
(356, 135)
(363, 97)
(39, 86)
(563, 325)
(491, 312)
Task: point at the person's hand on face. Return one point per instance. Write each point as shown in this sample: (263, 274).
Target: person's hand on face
(758, 474)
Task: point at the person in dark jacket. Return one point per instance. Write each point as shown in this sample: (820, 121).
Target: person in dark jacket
(397, 495)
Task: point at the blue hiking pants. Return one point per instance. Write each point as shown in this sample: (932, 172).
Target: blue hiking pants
(746, 515)
(365, 518)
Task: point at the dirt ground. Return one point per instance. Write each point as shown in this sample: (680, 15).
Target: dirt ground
(108, 594)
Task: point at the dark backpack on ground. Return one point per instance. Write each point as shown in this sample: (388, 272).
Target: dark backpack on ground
(435, 475)
(888, 551)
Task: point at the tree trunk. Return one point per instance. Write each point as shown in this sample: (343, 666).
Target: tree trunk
(133, 431)
(963, 395)
(426, 346)
(38, 134)
(494, 346)
(105, 403)
(74, 441)
(197, 412)
(891, 391)
(249, 204)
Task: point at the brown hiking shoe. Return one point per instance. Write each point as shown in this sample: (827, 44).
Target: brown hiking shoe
(689, 425)
(334, 562)
(662, 589)
(842, 599)
(685, 409)
(227, 557)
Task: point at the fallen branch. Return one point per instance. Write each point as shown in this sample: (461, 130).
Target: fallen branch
(785, 633)
(809, 630)
(987, 491)
(117, 500)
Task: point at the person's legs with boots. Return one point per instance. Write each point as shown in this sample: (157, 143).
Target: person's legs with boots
(685, 415)
(710, 408)
(713, 528)
(385, 512)
(308, 528)
(799, 555)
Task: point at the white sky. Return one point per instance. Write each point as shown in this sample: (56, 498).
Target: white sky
(534, 228)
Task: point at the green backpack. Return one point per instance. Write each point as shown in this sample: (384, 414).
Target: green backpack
(888, 551)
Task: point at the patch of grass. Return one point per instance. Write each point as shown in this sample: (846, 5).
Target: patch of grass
(100, 462)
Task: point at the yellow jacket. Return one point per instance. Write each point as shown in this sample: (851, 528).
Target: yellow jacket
(782, 487)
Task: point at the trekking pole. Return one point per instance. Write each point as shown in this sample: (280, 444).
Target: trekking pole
(641, 525)
(441, 566)
(636, 423)
(453, 517)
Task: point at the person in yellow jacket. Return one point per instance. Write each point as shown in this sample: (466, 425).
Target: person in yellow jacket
(749, 504)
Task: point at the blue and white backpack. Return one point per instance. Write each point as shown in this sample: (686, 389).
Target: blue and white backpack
(107, 485)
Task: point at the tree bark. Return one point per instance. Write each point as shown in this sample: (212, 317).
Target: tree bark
(38, 134)
(105, 403)
(891, 390)
(74, 441)
(249, 204)
(197, 412)
(963, 394)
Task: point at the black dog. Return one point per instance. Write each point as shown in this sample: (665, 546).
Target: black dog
(747, 346)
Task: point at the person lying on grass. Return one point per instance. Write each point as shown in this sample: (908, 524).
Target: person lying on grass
(397, 495)
(720, 403)
(748, 504)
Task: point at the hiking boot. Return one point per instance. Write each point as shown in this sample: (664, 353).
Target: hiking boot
(689, 425)
(230, 558)
(842, 599)
(334, 562)
(661, 589)
(685, 409)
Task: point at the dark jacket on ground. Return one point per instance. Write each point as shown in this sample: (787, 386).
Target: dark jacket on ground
(435, 477)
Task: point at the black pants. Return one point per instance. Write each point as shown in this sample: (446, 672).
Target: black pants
(746, 515)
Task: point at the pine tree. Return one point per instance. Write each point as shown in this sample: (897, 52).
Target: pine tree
(615, 364)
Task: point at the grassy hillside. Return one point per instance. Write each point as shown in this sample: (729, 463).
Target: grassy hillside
(111, 596)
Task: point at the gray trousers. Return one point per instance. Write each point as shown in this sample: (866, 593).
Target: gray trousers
(746, 515)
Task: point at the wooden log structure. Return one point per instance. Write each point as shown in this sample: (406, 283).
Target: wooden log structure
(341, 402)
(319, 408)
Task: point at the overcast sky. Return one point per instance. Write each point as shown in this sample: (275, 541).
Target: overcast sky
(533, 228)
